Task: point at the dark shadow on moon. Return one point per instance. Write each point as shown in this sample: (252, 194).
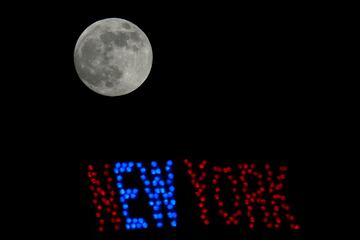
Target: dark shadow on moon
(119, 39)
(135, 36)
(126, 25)
(90, 51)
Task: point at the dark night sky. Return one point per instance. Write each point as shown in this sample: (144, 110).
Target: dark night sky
(227, 82)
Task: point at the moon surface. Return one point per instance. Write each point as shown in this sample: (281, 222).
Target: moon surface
(113, 57)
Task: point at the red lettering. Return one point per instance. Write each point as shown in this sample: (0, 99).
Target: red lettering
(230, 218)
(259, 187)
(198, 183)
(103, 198)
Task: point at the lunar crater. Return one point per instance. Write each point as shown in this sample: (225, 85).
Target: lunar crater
(126, 25)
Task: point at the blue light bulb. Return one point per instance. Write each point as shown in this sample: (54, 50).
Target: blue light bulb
(122, 191)
(125, 213)
(128, 220)
(119, 178)
(133, 226)
(172, 188)
(139, 165)
(159, 225)
(167, 169)
(141, 220)
(169, 163)
(117, 165)
(127, 226)
(171, 176)
(131, 164)
(135, 220)
(158, 171)
(172, 215)
(125, 206)
(173, 223)
(142, 170)
(119, 185)
(145, 225)
(128, 169)
(153, 164)
(162, 183)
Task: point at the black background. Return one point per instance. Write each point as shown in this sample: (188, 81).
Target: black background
(228, 82)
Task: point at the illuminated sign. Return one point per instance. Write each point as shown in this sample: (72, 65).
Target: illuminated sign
(244, 193)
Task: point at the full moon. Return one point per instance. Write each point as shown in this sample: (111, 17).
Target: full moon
(113, 57)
